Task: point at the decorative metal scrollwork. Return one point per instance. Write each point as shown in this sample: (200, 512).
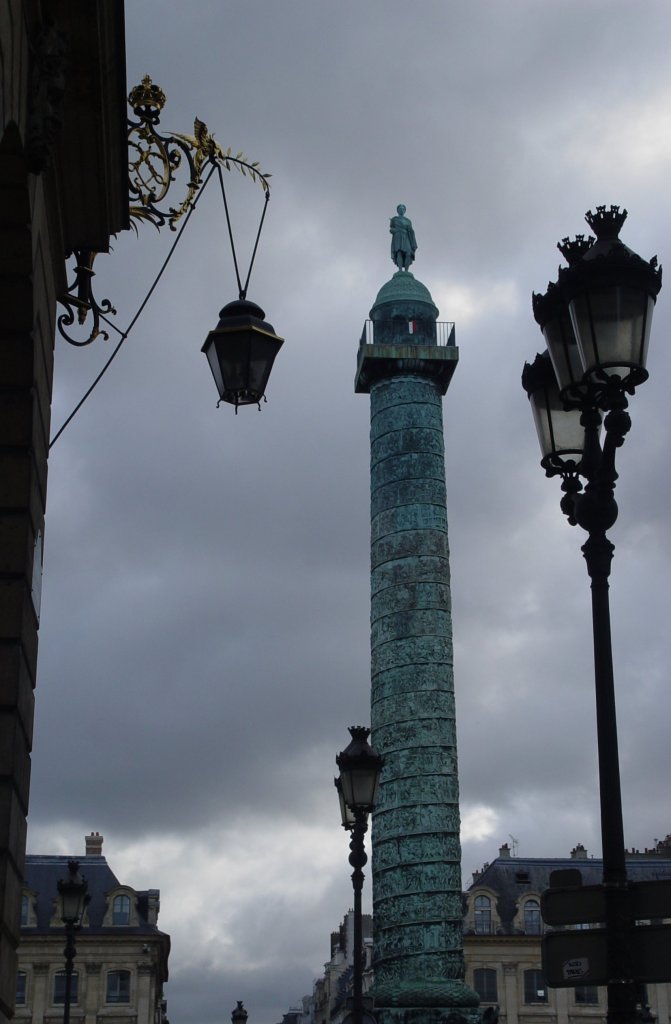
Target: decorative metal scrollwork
(79, 301)
(154, 160)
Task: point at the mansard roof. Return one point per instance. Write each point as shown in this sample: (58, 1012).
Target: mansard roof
(509, 875)
(42, 875)
(511, 878)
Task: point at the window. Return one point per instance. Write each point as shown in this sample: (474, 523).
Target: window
(585, 994)
(59, 987)
(21, 985)
(118, 987)
(532, 917)
(535, 990)
(121, 910)
(25, 909)
(484, 983)
(483, 915)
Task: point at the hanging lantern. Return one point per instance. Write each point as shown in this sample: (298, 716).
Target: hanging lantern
(241, 351)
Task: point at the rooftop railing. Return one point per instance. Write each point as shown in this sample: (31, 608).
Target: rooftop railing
(400, 331)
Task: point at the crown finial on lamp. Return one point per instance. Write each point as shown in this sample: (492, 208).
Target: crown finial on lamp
(574, 250)
(606, 222)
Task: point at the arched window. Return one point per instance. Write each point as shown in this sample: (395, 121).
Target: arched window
(532, 917)
(483, 915)
(535, 989)
(21, 988)
(59, 988)
(484, 983)
(118, 987)
(121, 910)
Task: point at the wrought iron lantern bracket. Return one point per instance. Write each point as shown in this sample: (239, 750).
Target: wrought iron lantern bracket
(155, 158)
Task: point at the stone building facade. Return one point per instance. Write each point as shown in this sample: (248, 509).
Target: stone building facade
(502, 934)
(503, 930)
(63, 189)
(329, 1002)
(121, 962)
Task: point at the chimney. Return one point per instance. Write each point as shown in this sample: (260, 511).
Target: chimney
(153, 905)
(504, 851)
(579, 852)
(94, 845)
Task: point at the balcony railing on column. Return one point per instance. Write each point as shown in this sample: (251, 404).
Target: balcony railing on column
(399, 331)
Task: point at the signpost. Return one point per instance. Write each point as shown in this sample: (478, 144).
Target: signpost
(579, 904)
(579, 957)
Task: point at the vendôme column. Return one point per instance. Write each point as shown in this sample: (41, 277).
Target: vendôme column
(406, 361)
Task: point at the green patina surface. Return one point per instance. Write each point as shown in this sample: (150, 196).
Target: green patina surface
(418, 954)
(404, 289)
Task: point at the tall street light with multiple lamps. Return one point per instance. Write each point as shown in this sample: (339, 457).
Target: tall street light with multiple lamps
(596, 322)
(357, 786)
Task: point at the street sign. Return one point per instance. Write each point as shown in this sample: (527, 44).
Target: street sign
(577, 904)
(652, 953)
(580, 904)
(575, 958)
(651, 899)
(581, 957)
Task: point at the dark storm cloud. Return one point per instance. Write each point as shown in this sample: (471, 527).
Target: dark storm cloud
(204, 639)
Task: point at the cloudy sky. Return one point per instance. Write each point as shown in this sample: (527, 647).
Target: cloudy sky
(204, 638)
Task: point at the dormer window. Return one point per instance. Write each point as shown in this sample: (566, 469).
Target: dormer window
(532, 917)
(25, 909)
(483, 915)
(121, 910)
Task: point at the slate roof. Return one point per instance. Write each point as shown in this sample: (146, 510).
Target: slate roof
(43, 873)
(513, 877)
(524, 874)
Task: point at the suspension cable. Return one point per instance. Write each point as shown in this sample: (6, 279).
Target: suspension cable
(124, 334)
(242, 292)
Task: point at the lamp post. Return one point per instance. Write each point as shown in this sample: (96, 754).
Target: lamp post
(74, 898)
(596, 322)
(357, 785)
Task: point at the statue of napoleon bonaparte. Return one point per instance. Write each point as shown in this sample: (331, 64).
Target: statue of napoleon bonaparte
(403, 243)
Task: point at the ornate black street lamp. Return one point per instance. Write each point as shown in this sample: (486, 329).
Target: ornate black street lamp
(596, 322)
(73, 891)
(239, 1014)
(357, 786)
